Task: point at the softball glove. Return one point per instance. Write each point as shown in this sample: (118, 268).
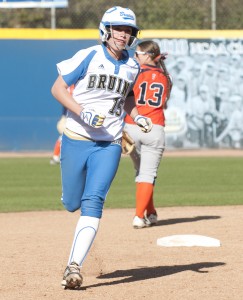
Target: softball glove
(127, 143)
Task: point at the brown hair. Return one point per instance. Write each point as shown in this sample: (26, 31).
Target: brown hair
(152, 48)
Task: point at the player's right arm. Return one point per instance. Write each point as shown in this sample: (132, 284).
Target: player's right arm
(60, 91)
(70, 71)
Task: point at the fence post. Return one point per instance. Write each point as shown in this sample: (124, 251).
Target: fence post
(213, 14)
(53, 18)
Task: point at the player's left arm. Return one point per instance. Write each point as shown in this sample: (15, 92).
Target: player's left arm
(130, 107)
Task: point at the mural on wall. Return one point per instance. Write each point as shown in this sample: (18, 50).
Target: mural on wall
(206, 104)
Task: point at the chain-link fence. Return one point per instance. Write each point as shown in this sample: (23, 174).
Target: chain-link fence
(151, 14)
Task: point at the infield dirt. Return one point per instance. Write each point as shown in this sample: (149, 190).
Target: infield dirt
(124, 263)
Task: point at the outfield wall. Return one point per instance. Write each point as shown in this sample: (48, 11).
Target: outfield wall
(29, 113)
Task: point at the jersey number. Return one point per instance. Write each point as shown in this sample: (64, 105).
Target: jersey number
(157, 89)
(117, 107)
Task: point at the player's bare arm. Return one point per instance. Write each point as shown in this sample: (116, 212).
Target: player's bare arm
(130, 107)
(60, 92)
(143, 122)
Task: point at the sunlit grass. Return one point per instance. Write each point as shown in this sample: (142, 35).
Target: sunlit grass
(30, 184)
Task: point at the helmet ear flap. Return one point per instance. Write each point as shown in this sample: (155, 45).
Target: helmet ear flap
(108, 33)
(132, 42)
(133, 39)
(105, 32)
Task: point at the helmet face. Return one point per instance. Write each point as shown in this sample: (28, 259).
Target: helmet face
(115, 16)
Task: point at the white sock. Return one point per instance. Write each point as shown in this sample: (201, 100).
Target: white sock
(85, 233)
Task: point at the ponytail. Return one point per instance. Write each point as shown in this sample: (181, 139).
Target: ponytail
(160, 62)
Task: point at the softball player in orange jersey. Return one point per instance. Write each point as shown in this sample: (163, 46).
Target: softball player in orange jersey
(151, 93)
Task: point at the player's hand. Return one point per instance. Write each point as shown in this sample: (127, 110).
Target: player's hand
(92, 118)
(143, 122)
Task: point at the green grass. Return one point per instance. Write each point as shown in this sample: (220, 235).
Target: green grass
(184, 182)
(30, 184)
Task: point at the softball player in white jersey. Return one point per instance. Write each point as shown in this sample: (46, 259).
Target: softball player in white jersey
(103, 77)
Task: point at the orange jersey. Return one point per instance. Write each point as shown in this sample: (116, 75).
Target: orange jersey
(150, 93)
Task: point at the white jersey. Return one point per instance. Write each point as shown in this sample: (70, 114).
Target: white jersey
(101, 83)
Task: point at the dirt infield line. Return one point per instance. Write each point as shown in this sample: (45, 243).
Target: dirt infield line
(168, 153)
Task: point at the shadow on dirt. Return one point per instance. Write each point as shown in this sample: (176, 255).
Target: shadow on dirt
(144, 273)
(185, 220)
